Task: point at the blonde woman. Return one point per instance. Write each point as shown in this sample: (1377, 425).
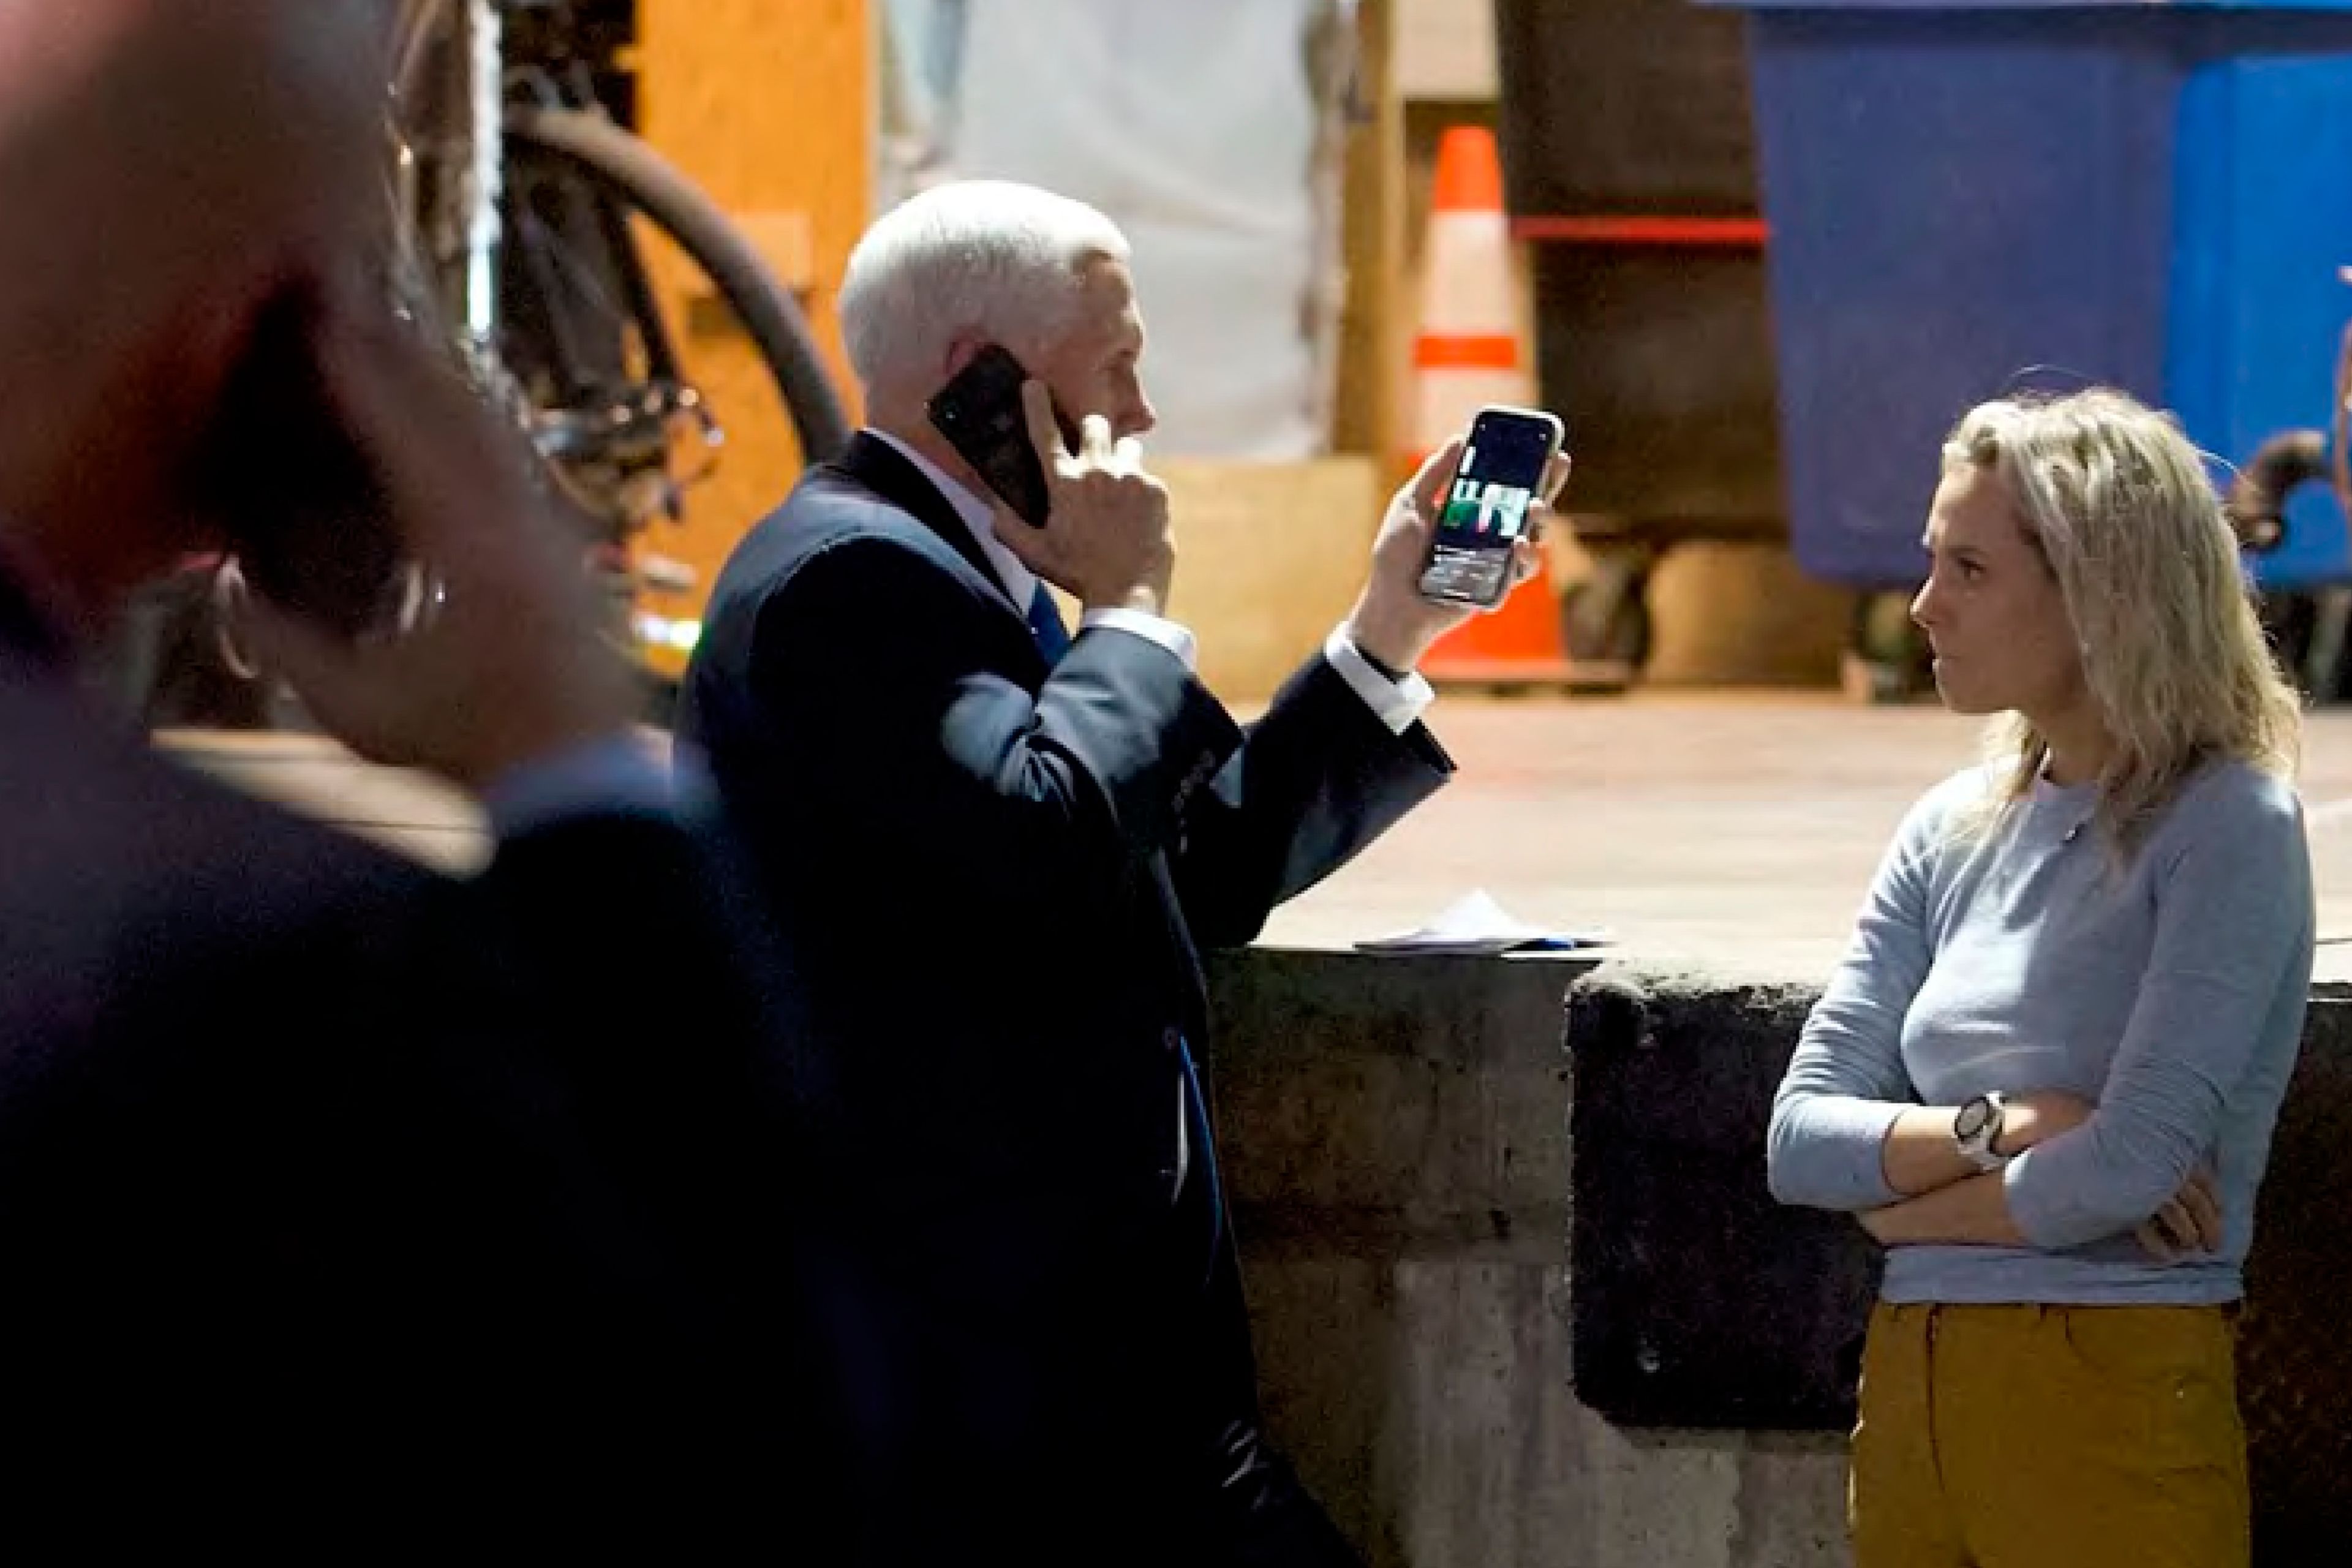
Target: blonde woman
(2046, 1074)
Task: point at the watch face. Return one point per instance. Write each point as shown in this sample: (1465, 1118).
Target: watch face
(1972, 1118)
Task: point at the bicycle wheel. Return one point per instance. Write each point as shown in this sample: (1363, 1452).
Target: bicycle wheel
(641, 179)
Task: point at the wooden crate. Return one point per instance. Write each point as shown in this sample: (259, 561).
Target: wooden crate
(1271, 557)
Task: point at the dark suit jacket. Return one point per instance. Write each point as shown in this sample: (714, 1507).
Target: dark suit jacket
(341, 1201)
(996, 882)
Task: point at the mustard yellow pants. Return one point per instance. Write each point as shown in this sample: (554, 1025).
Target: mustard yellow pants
(2050, 1438)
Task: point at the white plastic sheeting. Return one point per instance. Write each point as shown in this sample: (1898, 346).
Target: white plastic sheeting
(1194, 126)
(922, 71)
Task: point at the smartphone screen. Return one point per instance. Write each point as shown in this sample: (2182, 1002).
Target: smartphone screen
(1488, 508)
(981, 415)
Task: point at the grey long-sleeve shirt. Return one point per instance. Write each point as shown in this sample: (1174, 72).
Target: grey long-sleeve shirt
(2169, 989)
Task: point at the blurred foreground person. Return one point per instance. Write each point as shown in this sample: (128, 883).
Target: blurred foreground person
(339, 1202)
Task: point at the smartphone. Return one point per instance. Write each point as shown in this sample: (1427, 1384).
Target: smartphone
(1494, 492)
(292, 493)
(980, 413)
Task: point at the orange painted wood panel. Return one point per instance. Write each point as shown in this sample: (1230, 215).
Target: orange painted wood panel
(769, 106)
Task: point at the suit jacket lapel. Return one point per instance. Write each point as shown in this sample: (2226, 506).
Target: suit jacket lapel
(880, 468)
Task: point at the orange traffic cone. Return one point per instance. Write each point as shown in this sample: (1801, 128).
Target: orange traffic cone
(1466, 357)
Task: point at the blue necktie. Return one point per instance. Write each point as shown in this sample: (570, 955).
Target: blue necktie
(1046, 626)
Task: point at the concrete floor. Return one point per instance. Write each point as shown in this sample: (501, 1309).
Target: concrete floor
(1732, 831)
(1738, 832)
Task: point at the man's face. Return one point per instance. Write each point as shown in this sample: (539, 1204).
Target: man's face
(1094, 366)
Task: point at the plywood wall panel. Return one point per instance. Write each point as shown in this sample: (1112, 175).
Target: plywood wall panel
(769, 106)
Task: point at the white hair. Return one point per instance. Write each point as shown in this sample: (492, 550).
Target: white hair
(987, 257)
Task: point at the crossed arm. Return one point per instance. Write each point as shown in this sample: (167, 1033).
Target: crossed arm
(1946, 1200)
(1848, 1134)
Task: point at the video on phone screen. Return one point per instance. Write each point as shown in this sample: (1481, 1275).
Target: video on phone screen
(1486, 513)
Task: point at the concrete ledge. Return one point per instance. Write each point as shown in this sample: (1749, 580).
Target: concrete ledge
(1391, 1104)
(1395, 1133)
(1395, 1139)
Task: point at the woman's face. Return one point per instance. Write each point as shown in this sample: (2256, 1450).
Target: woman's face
(1991, 609)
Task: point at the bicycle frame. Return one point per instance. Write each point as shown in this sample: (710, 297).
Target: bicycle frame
(464, 234)
(591, 407)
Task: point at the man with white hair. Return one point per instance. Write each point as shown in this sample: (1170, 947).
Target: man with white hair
(997, 852)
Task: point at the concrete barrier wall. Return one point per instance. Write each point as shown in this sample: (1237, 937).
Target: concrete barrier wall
(1395, 1137)
(1395, 1140)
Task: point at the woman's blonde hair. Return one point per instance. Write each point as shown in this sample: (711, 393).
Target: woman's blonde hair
(2119, 502)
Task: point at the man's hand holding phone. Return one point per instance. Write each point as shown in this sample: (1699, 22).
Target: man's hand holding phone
(504, 663)
(1106, 539)
(1394, 621)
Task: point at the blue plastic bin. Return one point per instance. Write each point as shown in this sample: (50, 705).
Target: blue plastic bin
(1968, 197)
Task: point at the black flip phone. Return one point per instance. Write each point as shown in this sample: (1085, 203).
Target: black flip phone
(980, 413)
(290, 489)
(1488, 503)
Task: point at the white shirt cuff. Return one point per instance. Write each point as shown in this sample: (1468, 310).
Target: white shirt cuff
(1399, 704)
(1176, 639)
(616, 773)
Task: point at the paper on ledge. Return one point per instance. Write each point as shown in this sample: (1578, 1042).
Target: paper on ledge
(1477, 925)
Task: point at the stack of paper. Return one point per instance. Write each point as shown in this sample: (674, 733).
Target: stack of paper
(1478, 925)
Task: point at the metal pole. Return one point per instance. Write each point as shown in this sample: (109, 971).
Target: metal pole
(486, 111)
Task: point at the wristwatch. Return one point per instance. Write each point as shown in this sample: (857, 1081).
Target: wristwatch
(1977, 1128)
(1393, 677)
